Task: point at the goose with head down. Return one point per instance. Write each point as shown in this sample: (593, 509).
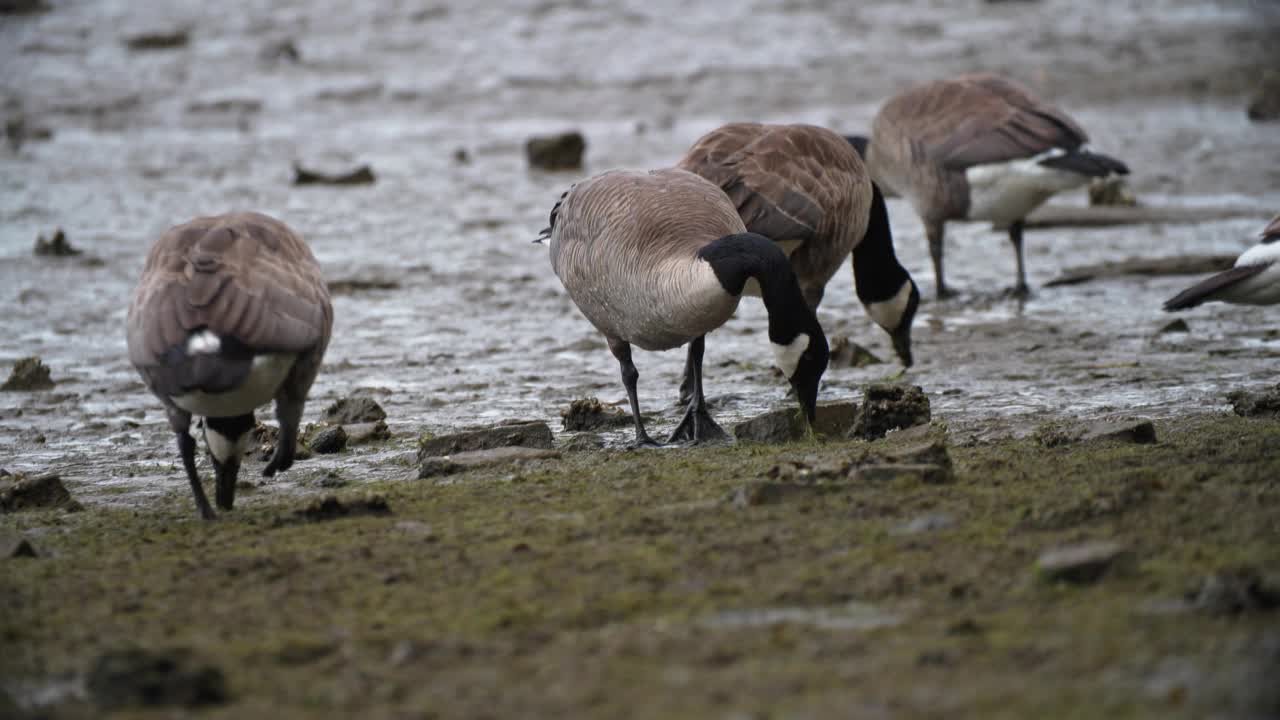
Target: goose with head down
(231, 312)
(658, 260)
(1255, 279)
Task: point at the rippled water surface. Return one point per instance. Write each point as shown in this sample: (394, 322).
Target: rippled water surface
(472, 326)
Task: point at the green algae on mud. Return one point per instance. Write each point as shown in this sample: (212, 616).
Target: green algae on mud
(597, 585)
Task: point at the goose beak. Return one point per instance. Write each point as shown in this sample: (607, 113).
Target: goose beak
(902, 344)
(543, 235)
(807, 396)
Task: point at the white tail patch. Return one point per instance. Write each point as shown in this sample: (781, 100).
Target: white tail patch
(204, 342)
(788, 356)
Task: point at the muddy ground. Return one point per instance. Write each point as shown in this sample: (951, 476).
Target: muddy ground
(613, 583)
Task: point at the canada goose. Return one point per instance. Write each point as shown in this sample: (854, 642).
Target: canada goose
(1255, 279)
(231, 311)
(978, 147)
(659, 259)
(807, 189)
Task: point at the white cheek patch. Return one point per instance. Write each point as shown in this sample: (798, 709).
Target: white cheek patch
(203, 343)
(888, 313)
(222, 447)
(788, 356)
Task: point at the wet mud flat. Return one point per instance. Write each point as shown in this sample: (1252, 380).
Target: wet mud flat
(1057, 575)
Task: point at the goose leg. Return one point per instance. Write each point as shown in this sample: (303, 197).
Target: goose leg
(1015, 237)
(622, 351)
(697, 426)
(288, 414)
(934, 231)
(187, 449)
(686, 383)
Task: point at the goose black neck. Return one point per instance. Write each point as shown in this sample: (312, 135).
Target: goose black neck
(735, 259)
(877, 274)
(859, 143)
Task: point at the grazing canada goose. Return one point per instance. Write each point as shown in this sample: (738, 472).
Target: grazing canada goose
(659, 259)
(1255, 279)
(978, 147)
(231, 311)
(805, 188)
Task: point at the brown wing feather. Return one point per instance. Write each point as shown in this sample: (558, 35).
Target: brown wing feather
(244, 276)
(980, 119)
(1205, 289)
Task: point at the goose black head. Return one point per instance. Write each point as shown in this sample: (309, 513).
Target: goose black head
(896, 315)
(803, 359)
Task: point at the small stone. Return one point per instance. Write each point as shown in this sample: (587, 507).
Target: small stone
(925, 524)
(1233, 592)
(160, 40)
(1247, 403)
(437, 467)
(1080, 564)
(331, 508)
(146, 678)
(1265, 105)
(19, 492)
(13, 545)
(1111, 191)
(281, 51)
(354, 409)
(590, 414)
(887, 473)
(583, 442)
(788, 424)
(557, 152)
(461, 156)
(1139, 431)
(929, 452)
(1177, 325)
(28, 374)
(56, 246)
(329, 440)
(362, 433)
(890, 407)
(846, 353)
(362, 175)
(534, 434)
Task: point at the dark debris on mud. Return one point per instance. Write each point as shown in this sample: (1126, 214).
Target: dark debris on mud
(330, 507)
(135, 677)
(591, 414)
(362, 175)
(533, 434)
(1249, 403)
(354, 409)
(55, 246)
(29, 374)
(40, 492)
(557, 152)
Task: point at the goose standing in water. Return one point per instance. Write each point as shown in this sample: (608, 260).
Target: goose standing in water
(231, 312)
(659, 259)
(978, 147)
(807, 189)
(1255, 279)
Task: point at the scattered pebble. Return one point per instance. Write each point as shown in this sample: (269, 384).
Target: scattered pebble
(354, 409)
(1177, 325)
(591, 414)
(1248, 403)
(28, 374)
(148, 678)
(160, 40)
(534, 434)
(362, 175)
(1233, 592)
(19, 492)
(846, 353)
(1080, 564)
(329, 440)
(330, 507)
(56, 246)
(557, 152)
(890, 407)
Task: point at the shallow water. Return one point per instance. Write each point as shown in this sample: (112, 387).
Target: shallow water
(477, 328)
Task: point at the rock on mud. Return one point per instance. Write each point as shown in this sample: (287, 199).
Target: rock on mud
(329, 440)
(330, 507)
(788, 424)
(583, 442)
(1139, 431)
(1080, 564)
(28, 374)
(1232, 592)
(846, 353)
(354, 409)
(361, 433)
(362, 175)
(1265, 105)
(890, 407)
(285, 50)
(266, 437)
(557, 152)
(533, 434)
(590, 414)
(1177, 325)
(1247, 403)
(160, 40)
(19, 492)
(459, 462)
(56, 246)
(13, 545)
(147, 678)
